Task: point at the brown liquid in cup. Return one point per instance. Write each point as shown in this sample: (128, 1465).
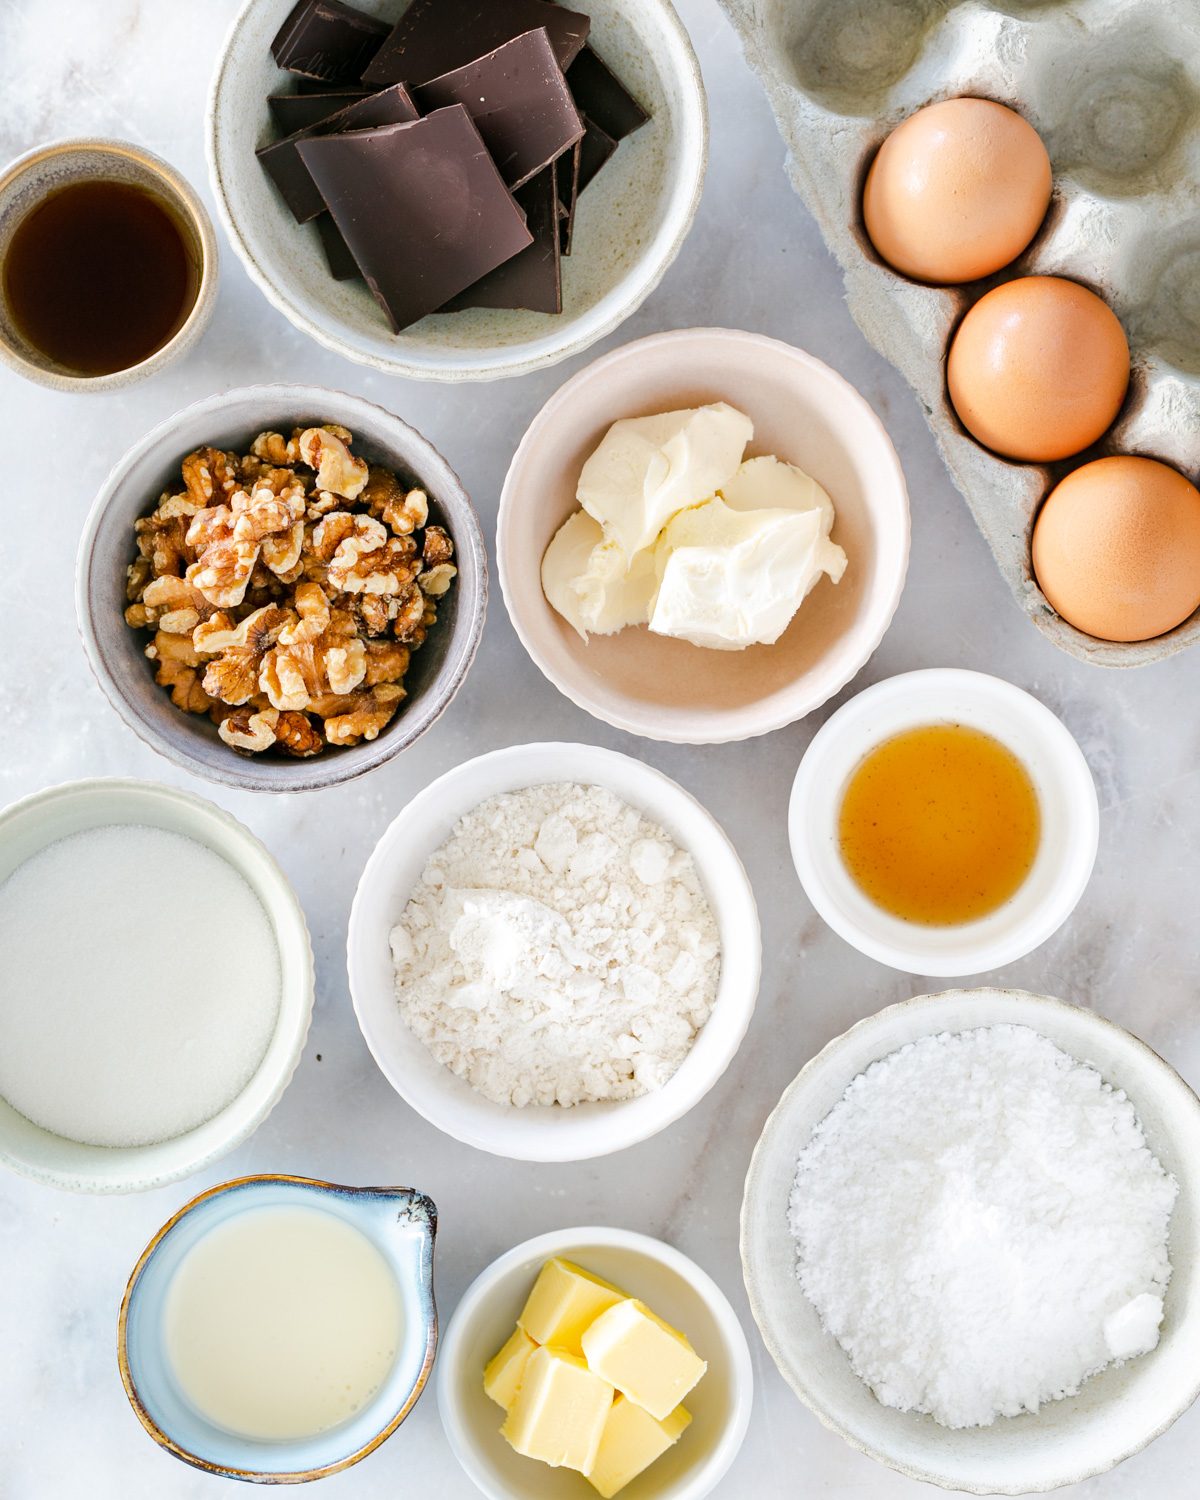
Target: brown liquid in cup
(99, 276)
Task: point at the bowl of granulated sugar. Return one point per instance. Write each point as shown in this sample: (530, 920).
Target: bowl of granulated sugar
(156, 985)
(969, 1239)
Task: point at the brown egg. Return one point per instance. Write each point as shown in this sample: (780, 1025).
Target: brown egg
(1116, 548)
(957, 191)
(1038, 368)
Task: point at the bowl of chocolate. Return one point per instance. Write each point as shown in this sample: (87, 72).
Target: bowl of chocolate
(452, 190)
(281, 587)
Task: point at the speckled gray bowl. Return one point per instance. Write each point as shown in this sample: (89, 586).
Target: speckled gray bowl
(630, 225)
(25, 182)
(230, 420)
(1117, 1412)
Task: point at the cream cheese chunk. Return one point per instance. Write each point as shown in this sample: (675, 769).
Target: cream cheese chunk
(589, 581)
(770, 484)
(680, 532)
(648, 468)
(730, 578)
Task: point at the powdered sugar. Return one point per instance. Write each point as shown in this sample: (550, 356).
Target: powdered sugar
(982, 1226)
(558, 948)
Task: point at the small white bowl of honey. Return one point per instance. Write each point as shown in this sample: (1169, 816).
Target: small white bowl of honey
(944, 822)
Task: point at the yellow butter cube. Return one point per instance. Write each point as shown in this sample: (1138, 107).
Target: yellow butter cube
(631, 1441)
(559, 1412)
(502, 1378)
(643, 1357)
(565, 1300)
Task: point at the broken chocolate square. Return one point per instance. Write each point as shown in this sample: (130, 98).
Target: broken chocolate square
(593, 152)
(340, 257)
(421, 206)
(292, 112)
(603, 98)
(597, 147)
(533, 278)
(520, 102)
(327, 40)
(568, 197)
(282, 162)
(433, 37)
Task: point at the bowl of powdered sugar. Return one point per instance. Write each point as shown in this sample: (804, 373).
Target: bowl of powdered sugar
(156, 984)
(969, 1239)
(554, 952)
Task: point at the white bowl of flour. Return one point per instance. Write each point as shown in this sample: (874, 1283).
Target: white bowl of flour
(1007, 1166)
(562, 1033)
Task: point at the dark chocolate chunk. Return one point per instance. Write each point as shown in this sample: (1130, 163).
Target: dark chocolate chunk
(282, 162)
(594, 151)
(327, 40)
(568, 193)
(532, 279)
(602, 97)
(597, 147)
(292, 112)
(519, 100)
(433, 37)
(422, 207)
(342, 265)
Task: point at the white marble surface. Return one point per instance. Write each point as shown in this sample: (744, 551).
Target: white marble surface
(753, 260)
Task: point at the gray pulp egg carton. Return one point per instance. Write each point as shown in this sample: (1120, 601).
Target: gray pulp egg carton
(1113, 88)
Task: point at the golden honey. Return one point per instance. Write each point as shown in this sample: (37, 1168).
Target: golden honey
(940, 825)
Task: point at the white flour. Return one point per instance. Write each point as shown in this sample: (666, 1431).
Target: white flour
(981, 1225)
(557, 949)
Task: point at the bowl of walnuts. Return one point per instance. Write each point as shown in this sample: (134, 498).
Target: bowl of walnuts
(281, 587)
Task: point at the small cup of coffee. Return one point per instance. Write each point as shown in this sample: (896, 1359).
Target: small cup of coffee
(108, 265)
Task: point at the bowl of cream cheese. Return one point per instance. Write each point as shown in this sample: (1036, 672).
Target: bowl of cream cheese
(703, 536)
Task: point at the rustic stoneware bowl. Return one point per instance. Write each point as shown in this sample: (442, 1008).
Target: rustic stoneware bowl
(400, 1223)
(25, 182)
(116, 652)
(629, 227)
(34, 823)
(547, 1132)
(667, 1281)
(804, 413)
(1116, 1413)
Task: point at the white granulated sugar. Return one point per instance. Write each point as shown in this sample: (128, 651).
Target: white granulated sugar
(982, 1226)
(558, 948)
(139, 986)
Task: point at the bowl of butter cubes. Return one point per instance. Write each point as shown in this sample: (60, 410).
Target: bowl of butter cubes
(595, 1361)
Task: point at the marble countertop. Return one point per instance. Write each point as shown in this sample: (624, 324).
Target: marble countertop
(754, 260)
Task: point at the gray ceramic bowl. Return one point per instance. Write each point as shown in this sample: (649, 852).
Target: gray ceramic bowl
(231, 420)
(629, 228)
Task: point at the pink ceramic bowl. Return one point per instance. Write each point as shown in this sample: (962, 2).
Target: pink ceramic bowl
(804, 413)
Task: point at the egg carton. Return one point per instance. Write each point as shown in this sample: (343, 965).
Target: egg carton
(1113, 88)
